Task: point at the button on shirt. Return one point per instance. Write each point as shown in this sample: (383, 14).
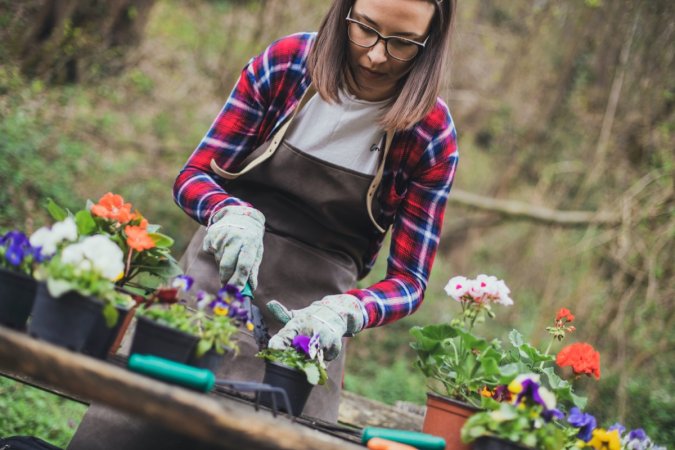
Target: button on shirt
(346, 134)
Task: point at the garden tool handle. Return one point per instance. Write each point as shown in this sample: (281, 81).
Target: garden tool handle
(173, 372)
(421, 441)
(260, 333)
(385, 444)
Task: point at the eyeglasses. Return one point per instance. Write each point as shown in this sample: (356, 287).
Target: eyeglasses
(397, 47)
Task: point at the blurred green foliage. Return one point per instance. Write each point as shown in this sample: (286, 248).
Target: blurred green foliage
(31, 411)
(530, 90)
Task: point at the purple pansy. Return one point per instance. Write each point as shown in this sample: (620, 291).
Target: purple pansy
(550, 414)
(229, 293)
(585, 422)
(617, 426)
(637, 434)
(183, 282)
(301, 343)
(18, 248)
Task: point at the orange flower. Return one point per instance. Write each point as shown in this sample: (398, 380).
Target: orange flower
(111, 206)
(138, 238)
(564, 313)
(581, 357)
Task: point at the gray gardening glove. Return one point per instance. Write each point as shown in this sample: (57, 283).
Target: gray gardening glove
(235, 238)
(332, 317)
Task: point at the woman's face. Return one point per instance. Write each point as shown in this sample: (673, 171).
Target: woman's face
(376, 73)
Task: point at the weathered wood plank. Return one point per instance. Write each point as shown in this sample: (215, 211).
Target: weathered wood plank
(361, 412)
(218, 421)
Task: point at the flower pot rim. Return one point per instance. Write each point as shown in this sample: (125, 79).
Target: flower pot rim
(501, 439)
(451, 400)
(267, 361)
(166, 327)
(17, 273)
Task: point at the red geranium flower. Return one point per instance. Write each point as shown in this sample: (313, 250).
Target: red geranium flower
(582, 357)
(564, 313)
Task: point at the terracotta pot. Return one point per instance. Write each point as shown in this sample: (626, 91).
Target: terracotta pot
(494, 443)
(445, 418)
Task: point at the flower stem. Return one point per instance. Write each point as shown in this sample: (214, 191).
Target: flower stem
(548, 349)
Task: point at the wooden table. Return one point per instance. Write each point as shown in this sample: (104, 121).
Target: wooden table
(217, 420)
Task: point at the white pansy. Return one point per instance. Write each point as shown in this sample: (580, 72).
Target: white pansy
(49, 238)
(457, 287)
(98, 253)
(547, 397)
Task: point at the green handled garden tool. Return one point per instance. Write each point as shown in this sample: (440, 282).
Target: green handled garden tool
(260, 331)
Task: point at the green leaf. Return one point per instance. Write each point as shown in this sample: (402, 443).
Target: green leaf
(57, 212)
(161, 240)
(85, 223)
(312, 373)
(110, 314)
(203, 346)
(516, 338)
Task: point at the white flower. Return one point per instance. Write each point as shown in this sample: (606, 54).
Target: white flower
(49, 238)
(457, 287)
(503, 294)
(96, 253)
(547, 397)
(488, 285)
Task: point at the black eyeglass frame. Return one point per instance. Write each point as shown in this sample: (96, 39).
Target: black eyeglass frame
(381, 37)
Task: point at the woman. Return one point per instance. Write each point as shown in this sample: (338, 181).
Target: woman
(296, 190)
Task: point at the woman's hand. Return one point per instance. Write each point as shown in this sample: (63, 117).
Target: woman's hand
(332, 317)
(235, 238)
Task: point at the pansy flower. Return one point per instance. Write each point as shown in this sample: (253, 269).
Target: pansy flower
(229, 293)
(605, 440)
(585, 422)
(219, 306)
(49, 238)
(182, 282)
(301, 343)
(18, 248)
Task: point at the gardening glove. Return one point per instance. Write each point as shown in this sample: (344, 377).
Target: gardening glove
(332, 317)
(235, 238)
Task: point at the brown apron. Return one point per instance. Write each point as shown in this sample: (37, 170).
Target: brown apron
(316, 232)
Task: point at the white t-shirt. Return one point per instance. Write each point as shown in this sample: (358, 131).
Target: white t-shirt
(346, 134)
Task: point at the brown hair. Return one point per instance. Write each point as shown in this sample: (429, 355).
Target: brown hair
(418, 89)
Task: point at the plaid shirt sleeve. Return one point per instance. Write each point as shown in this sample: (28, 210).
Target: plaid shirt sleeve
(247, 119)
(415, 235)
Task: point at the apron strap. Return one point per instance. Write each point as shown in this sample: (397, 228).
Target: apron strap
(376, 182)
(274, 144)
(279, 136)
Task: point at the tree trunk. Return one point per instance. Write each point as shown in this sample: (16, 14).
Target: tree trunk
(69, 39)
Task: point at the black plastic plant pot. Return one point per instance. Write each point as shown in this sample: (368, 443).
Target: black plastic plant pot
(66, 321)
(17, 293)
(211, 360)
(102, 337)
(152, 338)
(494, 443)
(293, 381)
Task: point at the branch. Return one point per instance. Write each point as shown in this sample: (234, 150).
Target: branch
(517, 209)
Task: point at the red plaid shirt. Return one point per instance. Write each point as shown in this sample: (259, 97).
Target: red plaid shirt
(413, 193)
